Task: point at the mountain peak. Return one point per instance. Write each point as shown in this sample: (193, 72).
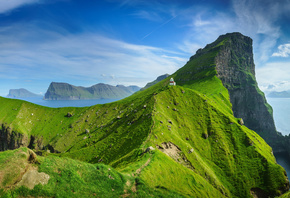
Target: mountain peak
(229, 60)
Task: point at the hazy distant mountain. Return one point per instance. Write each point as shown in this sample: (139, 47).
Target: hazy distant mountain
(65, 91)
(281, 94)
(21, 93)
(159, 78)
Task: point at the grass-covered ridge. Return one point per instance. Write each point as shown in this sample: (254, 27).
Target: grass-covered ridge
(68, 178)
(226, 159)
(165, 141)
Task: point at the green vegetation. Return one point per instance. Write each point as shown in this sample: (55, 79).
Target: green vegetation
(68, 178)
(164, 141)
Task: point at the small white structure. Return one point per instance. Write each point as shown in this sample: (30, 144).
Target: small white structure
(171, 82)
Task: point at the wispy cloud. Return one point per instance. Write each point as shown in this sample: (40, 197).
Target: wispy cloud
(84, 57)
(204, 29)
(256, 19)
(199, 22)
(274, 76)
(148, 15)
(8, 5)
(283, 51)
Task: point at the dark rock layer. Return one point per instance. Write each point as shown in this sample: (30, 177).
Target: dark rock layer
(236, 69)
(10, 139)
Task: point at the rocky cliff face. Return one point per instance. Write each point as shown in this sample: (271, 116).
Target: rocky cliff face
(10, 139)
(236, 69)
(230, 59)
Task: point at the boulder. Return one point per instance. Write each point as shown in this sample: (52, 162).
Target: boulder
(69, 114)
(190, 151)
(241, 121)
(150, 148)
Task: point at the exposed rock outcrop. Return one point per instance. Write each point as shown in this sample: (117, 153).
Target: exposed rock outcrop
(230, 58)
(32, 177)
(236, 69)
(11, 139)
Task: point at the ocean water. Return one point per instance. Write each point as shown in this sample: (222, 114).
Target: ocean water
(281, 113)
(67, 103)
(283, 160)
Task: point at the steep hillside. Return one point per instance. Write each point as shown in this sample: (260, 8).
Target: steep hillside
(230, 59)
(65, 91)
(196, 144)
(21, 93)
(165, 141)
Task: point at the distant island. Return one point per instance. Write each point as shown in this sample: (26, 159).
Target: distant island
(21, 93)
(281, 94)
(159, 78)
(65, 91)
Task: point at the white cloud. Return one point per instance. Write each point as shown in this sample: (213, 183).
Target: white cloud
(257, 19)
(199, 22)
(204, 29)
(283, 51)
(84, 57)
(277, 74)
(7, 5)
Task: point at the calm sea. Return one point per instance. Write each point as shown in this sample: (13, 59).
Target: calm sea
(281, 113)
(67, 103)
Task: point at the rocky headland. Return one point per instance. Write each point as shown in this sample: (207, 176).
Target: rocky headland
(65, 91)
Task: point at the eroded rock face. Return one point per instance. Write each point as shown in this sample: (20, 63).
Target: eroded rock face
(10, 139)
(36, 143)
(235, 67)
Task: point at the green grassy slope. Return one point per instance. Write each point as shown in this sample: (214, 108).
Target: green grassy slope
(200, 149)
(227, 159)
(68, 178)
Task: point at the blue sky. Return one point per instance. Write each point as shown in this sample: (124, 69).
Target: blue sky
(131, 42)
